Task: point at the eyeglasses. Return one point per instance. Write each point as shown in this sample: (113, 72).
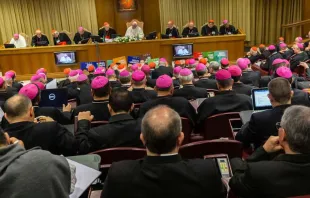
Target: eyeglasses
(278, 125)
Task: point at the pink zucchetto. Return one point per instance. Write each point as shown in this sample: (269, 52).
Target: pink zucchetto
(284, 72)
(164, 82)
(222, 74)
(138, 76)
(99, 82)
(30, 91)
(185, 72)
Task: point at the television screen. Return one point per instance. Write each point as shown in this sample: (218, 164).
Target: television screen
(182, 50)
(65, 58)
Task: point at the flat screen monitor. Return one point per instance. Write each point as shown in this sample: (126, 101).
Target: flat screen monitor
(181, 51)
(260, 99)
(65, 58)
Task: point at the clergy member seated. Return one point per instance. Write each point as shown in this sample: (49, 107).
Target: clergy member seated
(281, 167)
(172, 31)
(209, 29)
(125, 79)
(113, 81)
(39, 39)
(188, 90)
(81, 36)
(262, 124)
(106, 31)
(253, 55)
(249, 77)
(122, 131)
(238, 86)
(139, 93)
(10, 80)
(18, 41)
(164, 88)
(227, 29)
(162, 69)
(190, 30)
(299, 56)
(225, 100)
(203, 75)
(273, 56)
(100, 90)
(163, 172)
(135, 31)
(60, 38)
(285, 51)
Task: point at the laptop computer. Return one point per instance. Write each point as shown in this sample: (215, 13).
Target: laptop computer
(54, 98)
(9, 45)
(260, 102)
(97, 39)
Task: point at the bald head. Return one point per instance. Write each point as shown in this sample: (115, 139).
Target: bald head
(17, 106)
(161, 130)
(38, 33)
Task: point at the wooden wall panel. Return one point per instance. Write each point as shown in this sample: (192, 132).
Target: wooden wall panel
(306, 15)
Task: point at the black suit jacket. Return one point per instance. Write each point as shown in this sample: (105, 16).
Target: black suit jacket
(115, 84)
(207, 31)
(85, 96)
(63, 37)
(179, 104)
(73, 91)
(161, 70)
(36, 41)
(50, 136)
(77, 37)
(268, 65)
(64, 83)
(263, 82)
(261, 126)
(168, 176)
(99, 109)
(190, 92)
(174, 32)
(103, 33)
(250, 77)
(142, 95)
(206, 83)
(150, 82)
(284, 176)
(241, 88)
(296, 59)
(122, 131)
(17, 85)
(231, 29)
(253, 59)
(223, 102)
(287, 54)
(187, 31)
(301, 98)
(56, 114)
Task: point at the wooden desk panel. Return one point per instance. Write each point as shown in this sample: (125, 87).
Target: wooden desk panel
(28, 60)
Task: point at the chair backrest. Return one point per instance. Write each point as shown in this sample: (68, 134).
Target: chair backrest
(187, 128)
(73, 103)
(218, 126)
(140, 23)
(69, 34)
(200, 149)
(204, 25)
(108, 156)
(27, 38)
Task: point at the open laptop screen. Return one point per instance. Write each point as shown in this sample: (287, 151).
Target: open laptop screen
(260, 99)
(54, 97)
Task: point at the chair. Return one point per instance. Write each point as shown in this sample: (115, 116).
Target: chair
(73, 103)
(27, 38)
(200, 149)
(218, 126)
(140, 23)
(108, 156)
(187, 128)
(69, 34)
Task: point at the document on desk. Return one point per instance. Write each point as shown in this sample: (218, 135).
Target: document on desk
(52, 84)
(85, 176)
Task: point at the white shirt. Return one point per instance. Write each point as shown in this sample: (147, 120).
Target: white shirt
(65, 59)
(183, 52)
(137, 32)
(21, 42)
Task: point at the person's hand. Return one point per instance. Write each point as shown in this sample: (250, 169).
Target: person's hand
(14, 140)
(304, 65)
(66, 108)
(86, 115)
(272, 144)
(45, 119)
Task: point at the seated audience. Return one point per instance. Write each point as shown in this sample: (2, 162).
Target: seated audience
(204, 80)
(47, 134)
(121, 131)
(285, 51)
(73, 91)
(11, 81)
(213, 68)
(113, 81)
(299, 56)
(139, 93)
(190, 30)
(81, 36)
(188, 90)
(249, 77)
(6, 91)
(238, 86)
(275, 65)
(149, 81)
(262, 124)
(91, 69)
(125, 79)
(100, 90)
(172, 31)
(163, 168)
(224, 63)
(225, 100)
(31, 173)
(227, 28)
(164, 89)
(209, 29)
(253, 55)
(286, 175)
(273, 56)
(162, 69)
(66, 82)
(176, 75)
(106, 31)
(85, 95)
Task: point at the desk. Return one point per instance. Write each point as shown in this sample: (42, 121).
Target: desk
(26, 61)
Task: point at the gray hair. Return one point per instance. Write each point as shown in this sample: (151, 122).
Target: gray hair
(215, 65)
(186, 78)
(296, 123)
